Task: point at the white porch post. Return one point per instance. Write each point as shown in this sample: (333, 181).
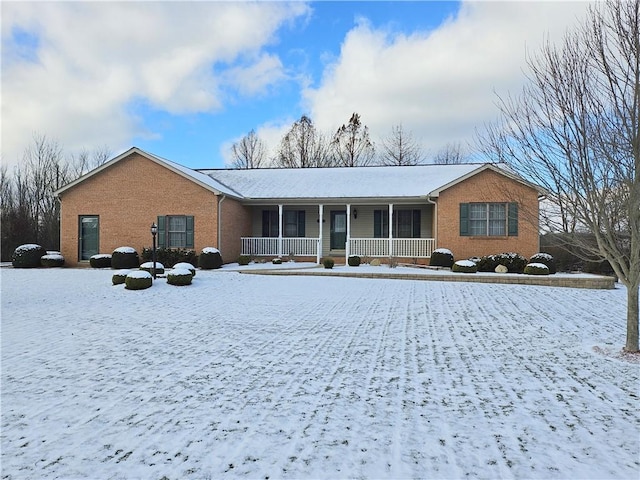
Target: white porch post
(346, 247)
(320, 220)
(280, 230)
(391, 229)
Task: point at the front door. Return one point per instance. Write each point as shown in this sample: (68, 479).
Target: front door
(88, 236)
(338, 231)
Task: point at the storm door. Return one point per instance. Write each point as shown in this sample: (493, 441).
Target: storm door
(338, 232)
(88, 236)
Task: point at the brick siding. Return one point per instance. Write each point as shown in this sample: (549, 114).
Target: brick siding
(488, 186)
(128, 197)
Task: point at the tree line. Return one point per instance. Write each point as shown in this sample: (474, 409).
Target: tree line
(304, 146)
(29, 211)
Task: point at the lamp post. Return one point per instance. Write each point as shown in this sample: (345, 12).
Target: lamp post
(154, 231)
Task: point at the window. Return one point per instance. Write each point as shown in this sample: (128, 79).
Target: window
(293, 223)
(406, 223)
(488, 219)
(175, 231)
(269, 223)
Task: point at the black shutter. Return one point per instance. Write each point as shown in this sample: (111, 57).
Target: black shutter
(162, 231)
(513, 219)
(464, 219)
(190, 231)
(265, 223)
(377, 224)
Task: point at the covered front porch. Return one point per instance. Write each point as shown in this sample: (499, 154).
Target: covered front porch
(316, 231)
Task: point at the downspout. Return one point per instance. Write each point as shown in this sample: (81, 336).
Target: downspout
(435, 221)
(222, 198)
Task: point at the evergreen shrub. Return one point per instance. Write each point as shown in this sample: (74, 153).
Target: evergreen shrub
(179, 277)
(464, 266)
(244, 260)
(354, 260)
(52, 260)
(101, 260)
(138, 280)
(148, 267)
(118, 278)
(28, 256)
(546, 259)
(441, 257)
(124, 257)
(210, 258)
(328, 262)
(536, 269)
(170, 256)
(186, 266)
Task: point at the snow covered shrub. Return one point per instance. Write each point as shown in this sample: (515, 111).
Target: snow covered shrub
(488, 263)
(186, 266)
(536, 269)
(170, 256)
(101, 260)
(125, 257)
(28, 256)
(52, 260)
(353, 260)
(465, 266)
(277, 261)
(148, 267)
(138, 280)
(244, 260)
(514, 262)
(179, 277)
(119, 277)
(328, 262)
(441, 257)
(546, 259)
(210, 258)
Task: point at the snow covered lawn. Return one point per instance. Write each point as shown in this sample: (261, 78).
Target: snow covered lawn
(312, 377)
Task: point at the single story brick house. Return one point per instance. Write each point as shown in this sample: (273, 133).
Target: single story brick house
(308, 213)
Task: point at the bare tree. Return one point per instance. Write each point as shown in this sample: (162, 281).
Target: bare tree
(450, 154)
(303, 146)
(400, 148)
(575, 130)
(86, 161)
(249, 152)
(351, 145)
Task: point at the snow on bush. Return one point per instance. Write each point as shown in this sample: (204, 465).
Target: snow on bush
(277, 261)
(187, 266)
(210, 258)
(124, 257)
(536, 269)
(441, 257)
(101, 260)
(138, 280)
(28, 256)
(148, 267)
(119, 277)
(546, 259)
(465, 266)
(179, 277)
(52, 260)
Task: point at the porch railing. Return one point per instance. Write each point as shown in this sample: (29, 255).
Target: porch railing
(400, 247)
(268, 246)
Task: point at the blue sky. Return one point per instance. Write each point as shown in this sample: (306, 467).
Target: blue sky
(185, 80)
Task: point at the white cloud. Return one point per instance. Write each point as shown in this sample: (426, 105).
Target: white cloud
(441, 84)
(93, 59)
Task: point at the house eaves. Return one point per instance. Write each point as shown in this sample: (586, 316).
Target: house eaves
(501, 169)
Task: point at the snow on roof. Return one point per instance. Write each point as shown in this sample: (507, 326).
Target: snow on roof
(357, 182)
